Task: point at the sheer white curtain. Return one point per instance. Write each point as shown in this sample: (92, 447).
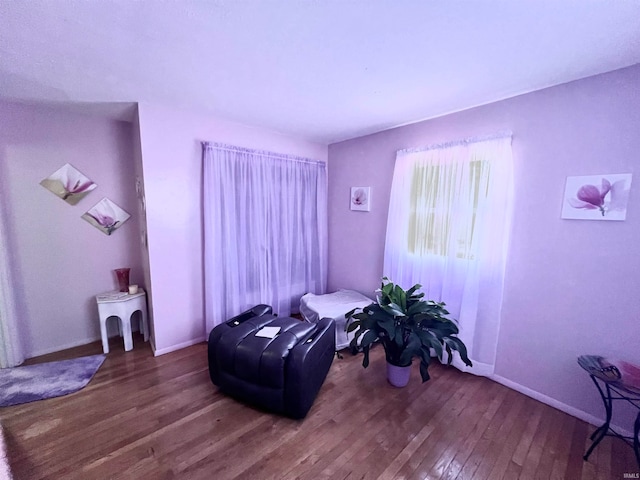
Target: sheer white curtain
(11, 353)
(265, 230)
(448, 229)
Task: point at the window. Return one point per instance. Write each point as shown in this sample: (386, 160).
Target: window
(434, 209)
(448, 228)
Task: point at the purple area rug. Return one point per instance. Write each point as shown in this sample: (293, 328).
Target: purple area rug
(46, 380)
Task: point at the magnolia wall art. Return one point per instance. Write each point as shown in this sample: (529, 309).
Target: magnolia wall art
(68, 184)
(596, 197)
(106, 216)
(361, 199)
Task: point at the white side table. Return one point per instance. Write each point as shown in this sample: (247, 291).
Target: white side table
(122, 305)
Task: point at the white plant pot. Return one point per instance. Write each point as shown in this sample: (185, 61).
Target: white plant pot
(398, 376)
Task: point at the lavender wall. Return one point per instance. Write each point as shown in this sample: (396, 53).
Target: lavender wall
(572, 287)
(172, 166)
(142, 224)
(61, 262)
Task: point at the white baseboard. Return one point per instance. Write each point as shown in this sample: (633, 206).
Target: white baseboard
(178, 346)
(77, 343)
(479, 368)
(563, 407)
(58, 348)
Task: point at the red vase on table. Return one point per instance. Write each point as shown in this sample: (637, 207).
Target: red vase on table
(122, 274)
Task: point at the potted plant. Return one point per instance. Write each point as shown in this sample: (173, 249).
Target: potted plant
(408, 327)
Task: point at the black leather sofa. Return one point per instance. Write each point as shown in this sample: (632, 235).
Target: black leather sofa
(281, 374)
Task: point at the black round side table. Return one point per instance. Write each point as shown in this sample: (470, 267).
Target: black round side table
(615, 380)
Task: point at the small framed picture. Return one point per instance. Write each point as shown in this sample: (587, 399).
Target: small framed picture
(360, 199)
(596, 197)
(69, 184)
(106, 216)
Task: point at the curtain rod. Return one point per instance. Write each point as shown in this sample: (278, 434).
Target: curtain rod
(464, 141)
(264, 153)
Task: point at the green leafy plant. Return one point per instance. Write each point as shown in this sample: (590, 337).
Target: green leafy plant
(407, 326)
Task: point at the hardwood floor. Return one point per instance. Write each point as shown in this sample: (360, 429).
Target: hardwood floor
(161, 418)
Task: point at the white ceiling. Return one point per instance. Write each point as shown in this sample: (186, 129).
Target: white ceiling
(322, 70)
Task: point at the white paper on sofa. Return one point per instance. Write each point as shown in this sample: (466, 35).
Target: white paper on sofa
(268, 332)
